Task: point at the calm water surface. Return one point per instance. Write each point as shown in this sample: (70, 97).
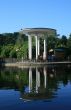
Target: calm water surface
(45, 88)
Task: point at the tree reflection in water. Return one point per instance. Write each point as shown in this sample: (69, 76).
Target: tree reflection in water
(36, 83)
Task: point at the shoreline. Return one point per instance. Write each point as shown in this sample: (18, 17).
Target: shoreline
(26, 64)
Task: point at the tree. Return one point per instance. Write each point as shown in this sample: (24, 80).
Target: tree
(6, 50)
(69, 44)
(20, 39)
(64, 40)
(69, 41)
(0, 50)
(51, 42)
(13, 54)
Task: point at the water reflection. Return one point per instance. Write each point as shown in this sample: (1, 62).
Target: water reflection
(36, 83)
(38, 76)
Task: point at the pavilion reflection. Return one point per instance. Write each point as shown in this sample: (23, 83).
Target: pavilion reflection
(38, 79)
(38, 85)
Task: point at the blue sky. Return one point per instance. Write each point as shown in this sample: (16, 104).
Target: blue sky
(17, 14)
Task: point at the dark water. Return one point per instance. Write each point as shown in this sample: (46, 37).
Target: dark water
(47, 88)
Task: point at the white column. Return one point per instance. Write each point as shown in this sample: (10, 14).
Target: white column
(36, 37)
(30, 47)
(38, 46)
(44, 53)
(37, 80)
(45, 77)
(30, 79)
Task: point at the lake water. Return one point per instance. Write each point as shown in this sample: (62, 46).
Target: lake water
(45, 88)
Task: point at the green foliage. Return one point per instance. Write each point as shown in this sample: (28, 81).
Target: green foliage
(6, 50)
(51, 41)
(69, 41)
(64, 40)
(22, 50)
(7, 38)
(13, 54)
(20, 40)
(61, 42)
(69, 44)
(0, 50)
(11, 38)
